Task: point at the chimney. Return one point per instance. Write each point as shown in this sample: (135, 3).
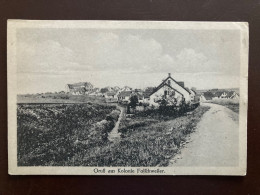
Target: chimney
(169, 74)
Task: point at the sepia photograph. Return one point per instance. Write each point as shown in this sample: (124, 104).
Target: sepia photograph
(127, 97)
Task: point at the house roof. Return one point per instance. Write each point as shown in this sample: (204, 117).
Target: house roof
(230, 94)
(219, 93)
(111, 93)
(146, 94)
(125, 93)
(178, 83)
(149, 89)
(81, 84)
(160, 86)
(116, 88)
(139, 95)
(194, 91)
(190, 90)
(82, 90)
(126, 88)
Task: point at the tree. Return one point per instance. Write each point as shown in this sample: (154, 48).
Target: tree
(133, 101)
(104, 90)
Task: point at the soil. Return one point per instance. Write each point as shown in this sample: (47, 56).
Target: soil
(214, 141)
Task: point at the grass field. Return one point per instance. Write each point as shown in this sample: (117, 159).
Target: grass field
(145, 142)
(76, 134)
(59, 98)
(229, 103)
(149, 142)
(49, 134)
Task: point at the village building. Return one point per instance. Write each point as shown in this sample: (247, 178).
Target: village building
(192, 93)
(111, 94)
(95, 92)
(170, 90)
(233, 95)
(111, 97)
(219, 94)
(126, 88)
(116, 88)
(124, 96)
(140, 97)
(79, 88)
(147, 92)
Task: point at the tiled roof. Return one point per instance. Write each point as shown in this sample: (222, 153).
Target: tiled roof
(125, 93)
(111, 93)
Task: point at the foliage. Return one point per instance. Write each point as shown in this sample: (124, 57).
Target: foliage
(76, 135)
(133, 101)
(48, 132)
(147, 142)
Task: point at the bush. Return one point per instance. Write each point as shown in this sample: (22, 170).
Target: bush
(113, 116)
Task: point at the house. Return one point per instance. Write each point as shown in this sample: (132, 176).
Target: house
(138, 90)
(233, 95)
(226, 94)
(140, 97)
(192, 93)
(111, 95)
(116, 88)
(126, 88)
(95, 92)
(221, 94)
(79, 88)
(171, 90)
(147, 92)
(124, 96)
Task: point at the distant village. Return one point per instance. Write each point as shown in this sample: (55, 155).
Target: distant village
(169, 89)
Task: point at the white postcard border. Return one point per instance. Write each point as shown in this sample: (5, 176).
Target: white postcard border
(13, 25)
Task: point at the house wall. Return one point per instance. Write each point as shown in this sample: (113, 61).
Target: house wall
(126, 98)
(160, 93)
(185, 93)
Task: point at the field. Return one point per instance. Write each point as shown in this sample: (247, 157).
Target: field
(59, 98)
(77, 135)
(49, 134)
(229, 103)
(148, 141)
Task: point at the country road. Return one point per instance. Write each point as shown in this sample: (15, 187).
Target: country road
(214, 142)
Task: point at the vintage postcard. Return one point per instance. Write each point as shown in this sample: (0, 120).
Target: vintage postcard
(127, 97)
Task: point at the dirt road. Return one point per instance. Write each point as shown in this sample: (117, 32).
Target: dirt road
(214, 142)
(114, 134)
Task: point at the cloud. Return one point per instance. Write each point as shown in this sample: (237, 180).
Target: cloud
(46, 56)
(128, 53)
(188, 60)
(108, 51)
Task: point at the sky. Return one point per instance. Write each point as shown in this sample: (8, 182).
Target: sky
(48, 59)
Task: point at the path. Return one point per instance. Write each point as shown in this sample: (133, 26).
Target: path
(114, 134)
(214, 142)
